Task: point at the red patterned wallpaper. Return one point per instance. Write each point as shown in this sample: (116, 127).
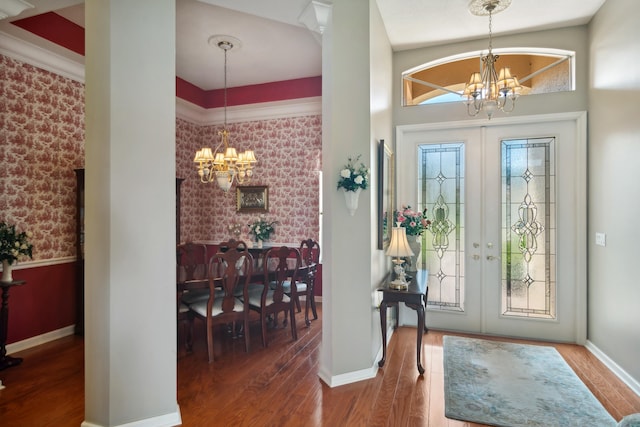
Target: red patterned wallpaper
(42, 141)
(42, 125)
(289, 161)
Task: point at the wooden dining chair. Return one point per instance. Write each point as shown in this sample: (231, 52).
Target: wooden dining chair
(280, 265)
(192, 284)
(228, 271)
(239, 245)
(310, 253)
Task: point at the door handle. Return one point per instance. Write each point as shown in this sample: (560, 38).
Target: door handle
(492, 258)
(475, 257)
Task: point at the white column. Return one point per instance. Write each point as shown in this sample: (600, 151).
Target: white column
(130, 316)
(347, 326)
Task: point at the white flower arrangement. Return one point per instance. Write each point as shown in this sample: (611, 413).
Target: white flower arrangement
(13, 245)
(262, 229)
(352, 178)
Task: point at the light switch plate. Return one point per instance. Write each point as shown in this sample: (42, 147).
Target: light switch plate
(601, 239)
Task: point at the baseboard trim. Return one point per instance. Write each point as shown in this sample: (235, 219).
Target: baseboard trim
(349, 377)
(614, 367)
(167, 420)
(40, 339)
(355, 376)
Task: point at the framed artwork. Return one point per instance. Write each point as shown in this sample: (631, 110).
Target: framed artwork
(253, 198)
(386, 174)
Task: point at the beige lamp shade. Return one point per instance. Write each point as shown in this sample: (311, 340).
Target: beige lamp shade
(399, 246)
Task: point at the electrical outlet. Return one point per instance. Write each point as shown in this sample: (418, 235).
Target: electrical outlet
(601, 239)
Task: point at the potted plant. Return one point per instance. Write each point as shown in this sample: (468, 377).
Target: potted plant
(415, 224)
(13, 245)
(262, 229)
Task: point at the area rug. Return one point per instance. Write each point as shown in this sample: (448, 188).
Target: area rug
(506, 384)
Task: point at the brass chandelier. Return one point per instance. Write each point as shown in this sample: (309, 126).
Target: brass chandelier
(489, 90)
(224, 164)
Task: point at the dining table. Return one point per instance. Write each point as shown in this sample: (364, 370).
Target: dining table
(257, 276)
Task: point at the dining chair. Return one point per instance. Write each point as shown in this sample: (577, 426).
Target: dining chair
(280, 265)
(227, 272)
(239, 245)
(310, 253)
(192, 284)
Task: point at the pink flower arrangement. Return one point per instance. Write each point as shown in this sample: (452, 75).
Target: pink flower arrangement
(415, 222)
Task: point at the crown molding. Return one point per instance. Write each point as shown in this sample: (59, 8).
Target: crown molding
(316, 17)
(10, 8)
(251, 112)
(38, 57)
(28, 53)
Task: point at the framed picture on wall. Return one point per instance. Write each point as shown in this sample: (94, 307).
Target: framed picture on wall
(254, 198)
(386, 189)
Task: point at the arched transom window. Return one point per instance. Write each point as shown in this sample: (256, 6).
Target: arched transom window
(444, 80)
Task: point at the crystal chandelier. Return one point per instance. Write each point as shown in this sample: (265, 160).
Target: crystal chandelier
(488, 90)
(224, 164)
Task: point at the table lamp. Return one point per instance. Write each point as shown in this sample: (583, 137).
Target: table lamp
(399, 248)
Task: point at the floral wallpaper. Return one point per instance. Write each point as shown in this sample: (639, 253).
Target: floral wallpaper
(289, 163)
(42, 142)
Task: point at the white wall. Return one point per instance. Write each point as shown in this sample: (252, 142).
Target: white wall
(614, 183)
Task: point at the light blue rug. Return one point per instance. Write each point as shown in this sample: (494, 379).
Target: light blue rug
(505, 384)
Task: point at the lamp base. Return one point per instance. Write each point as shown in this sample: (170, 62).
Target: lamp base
(399, 285)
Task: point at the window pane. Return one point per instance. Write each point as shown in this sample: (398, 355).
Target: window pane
(440, 189)
(528, 228)
(443, 80)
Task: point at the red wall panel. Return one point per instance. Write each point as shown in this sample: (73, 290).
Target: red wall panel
(45, 303)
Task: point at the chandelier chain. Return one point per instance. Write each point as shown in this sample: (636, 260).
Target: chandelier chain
(225, 87)
(490, 32)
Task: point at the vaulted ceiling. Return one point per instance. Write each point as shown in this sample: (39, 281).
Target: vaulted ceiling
(272, 34)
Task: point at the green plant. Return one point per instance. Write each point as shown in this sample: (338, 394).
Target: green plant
(13, 244)
(262, 229)
(352, 177)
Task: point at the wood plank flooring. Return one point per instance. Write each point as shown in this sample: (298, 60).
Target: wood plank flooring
(275, 386)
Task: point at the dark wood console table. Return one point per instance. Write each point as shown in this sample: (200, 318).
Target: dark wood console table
(414, 297)
(6, 361)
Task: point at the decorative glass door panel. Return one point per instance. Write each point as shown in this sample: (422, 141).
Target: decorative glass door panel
(528, 228)
(506, 250)
(440, 191)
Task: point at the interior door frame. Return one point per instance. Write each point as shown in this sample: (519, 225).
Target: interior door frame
(406, 190)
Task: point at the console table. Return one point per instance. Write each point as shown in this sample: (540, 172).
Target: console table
(414, 297)
(6, 361)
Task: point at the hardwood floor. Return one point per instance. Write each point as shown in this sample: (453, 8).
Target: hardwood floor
(275, 386)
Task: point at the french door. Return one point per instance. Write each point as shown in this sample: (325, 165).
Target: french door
(506, 250)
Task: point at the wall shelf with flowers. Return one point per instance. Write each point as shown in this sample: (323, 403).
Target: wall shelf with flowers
(353, 179)
(13, 246)
(415, 223)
